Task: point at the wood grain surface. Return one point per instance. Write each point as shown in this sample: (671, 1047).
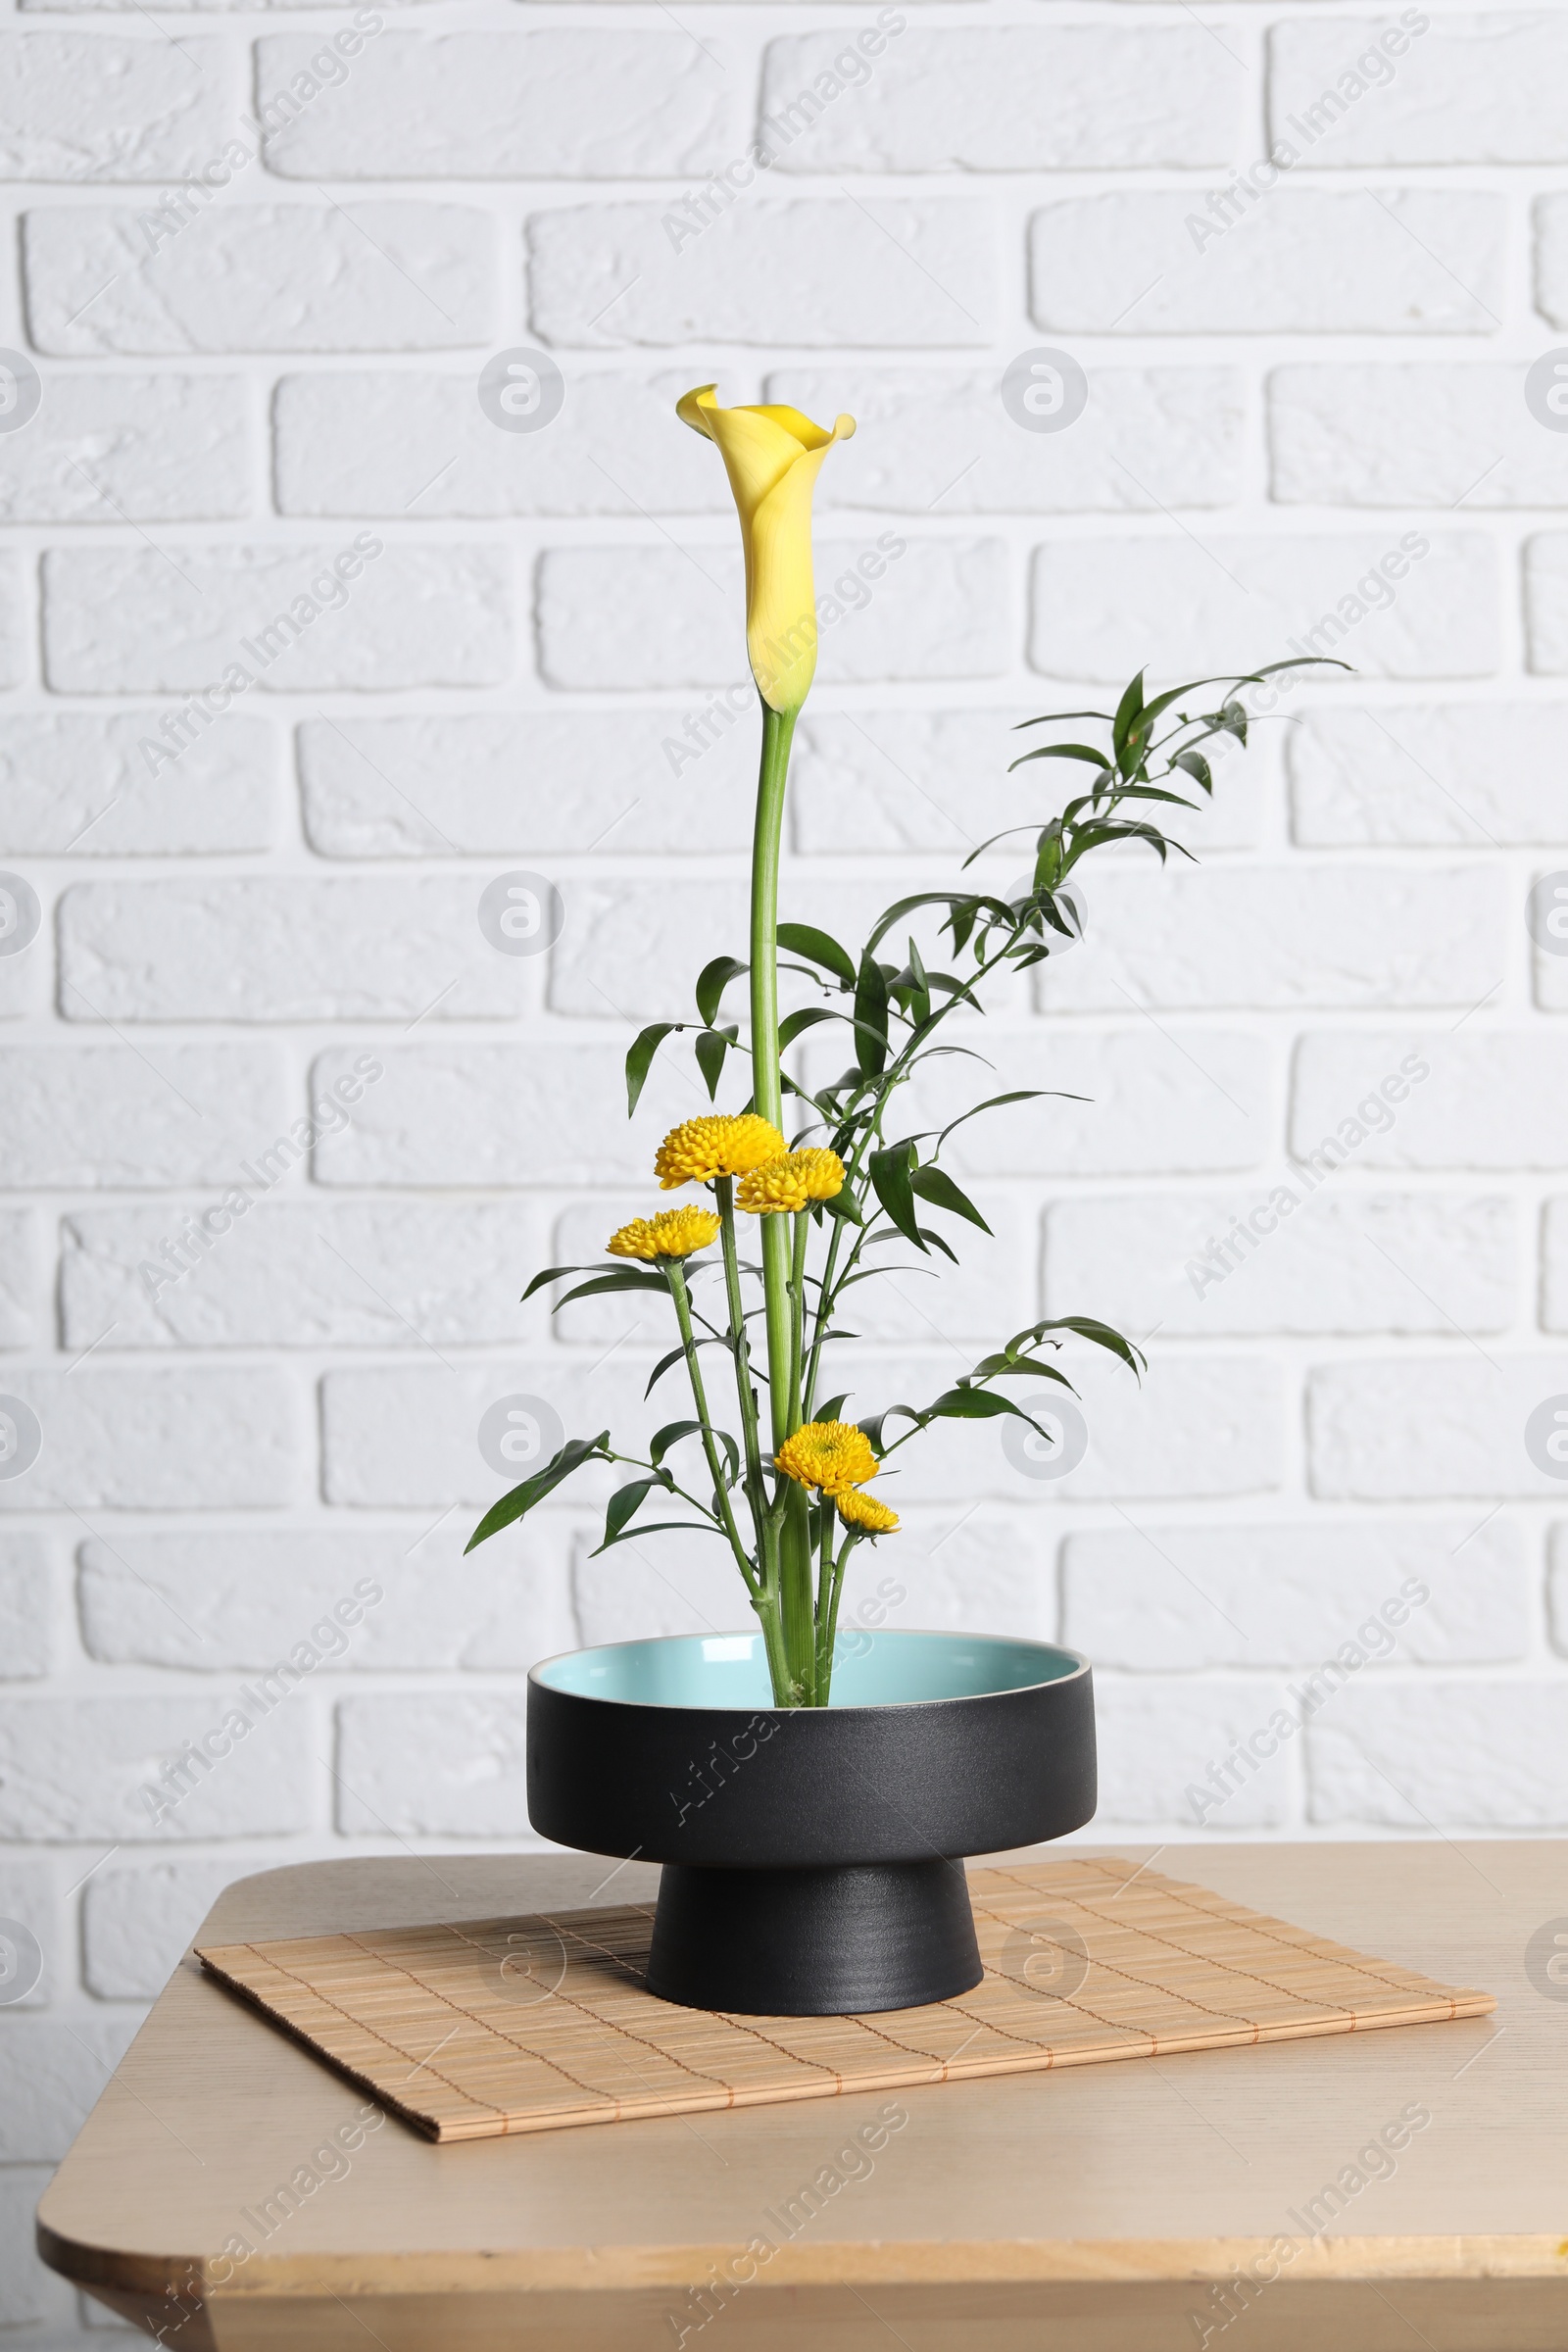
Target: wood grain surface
(1124, 2208)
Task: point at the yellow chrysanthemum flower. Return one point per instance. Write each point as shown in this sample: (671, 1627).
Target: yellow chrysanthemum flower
(790, 1182)
(701, 1149)
(864, 1511)
(831, 1455)
(672, 1233)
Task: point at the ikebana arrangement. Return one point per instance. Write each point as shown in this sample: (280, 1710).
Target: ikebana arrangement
(792, 1213)
(789, 1495)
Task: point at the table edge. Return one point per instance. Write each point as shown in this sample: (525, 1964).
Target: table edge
(979, 2263)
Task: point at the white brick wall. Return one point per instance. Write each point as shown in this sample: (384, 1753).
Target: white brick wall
(247, 378)
(86, 105)
(262, 277)
(1018, 99)
(1468, 89)
(137, 448)
(1410, 260)
(511, 106)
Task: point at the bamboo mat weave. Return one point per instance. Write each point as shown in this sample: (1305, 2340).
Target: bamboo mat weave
(497, 2026)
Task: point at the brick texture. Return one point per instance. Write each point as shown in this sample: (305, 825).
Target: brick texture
(567, 105)
(1463, 90)
(1400, 261)
(262, 277)
(906, 270)
(112, 449)
(86, 105)
(77, 784)
(1023, 99)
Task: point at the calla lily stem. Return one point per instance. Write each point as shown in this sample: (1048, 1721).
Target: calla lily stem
(768, 1082)
(795, 1596)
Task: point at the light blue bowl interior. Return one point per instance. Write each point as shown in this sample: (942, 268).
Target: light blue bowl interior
(872, 1670)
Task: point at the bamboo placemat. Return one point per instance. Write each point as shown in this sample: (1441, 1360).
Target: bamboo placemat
(495, 2026)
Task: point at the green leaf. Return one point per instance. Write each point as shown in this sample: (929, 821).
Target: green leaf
(921, 898)
(1195, 766)
(624, 1502)
(871, 1018)
(1153, 792)
(919, 1007)
(991, 842)
(980, 1404)
(1102, 1335)
(712, 982)
(549, 1274)
(891, 1180)
(875, 1423)
(668, 1363)
(1007, 1367)
(710, 1047)
(1049, 851)
(521, 1499)
(971, 1404)
(1297, 662)
(670, 1434)
(1059, 751)
(831, 1410)
(640, 1058)
(946, 985)
(844, 1205)
(656, 1527)
(1065, 918)
(805, 939)
(1173, 694)
(1022, 1093)
(1128, 711)
(1091, 837)
(625, 1278)
(796, 1024)
(1054, 719)
(937, 1186)
(665, 1364)
(1085, 1327)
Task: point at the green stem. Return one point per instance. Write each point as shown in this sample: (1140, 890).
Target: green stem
(795, 1596)
(675, 1276)
(765, 1600)
(768, 1082)
(825, 1677)
(767, 1100)
(756, 1491)
(825, 1593)
(765, 1603)
(802, 1222)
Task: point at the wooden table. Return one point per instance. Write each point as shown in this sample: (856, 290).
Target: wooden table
(1097, 2210)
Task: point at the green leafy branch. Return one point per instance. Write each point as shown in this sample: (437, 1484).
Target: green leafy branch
(895, 1014)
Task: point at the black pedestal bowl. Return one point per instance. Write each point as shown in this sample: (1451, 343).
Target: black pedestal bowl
(812, 1857)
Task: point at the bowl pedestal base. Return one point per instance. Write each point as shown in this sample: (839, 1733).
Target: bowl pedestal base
(833, 1941)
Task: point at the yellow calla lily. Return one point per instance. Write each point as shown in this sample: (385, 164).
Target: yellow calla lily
(772, 456)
